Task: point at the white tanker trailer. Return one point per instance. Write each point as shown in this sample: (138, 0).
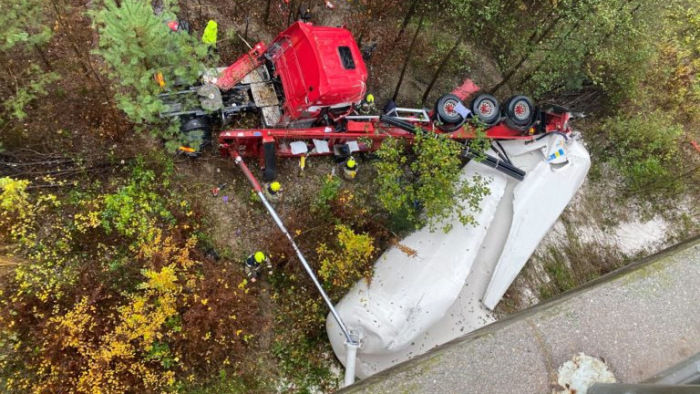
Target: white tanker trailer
(453, 281)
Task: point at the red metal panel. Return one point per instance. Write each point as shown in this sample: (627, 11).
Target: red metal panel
(248, 142)
(235, 73)
(367, 127)
(466, 89)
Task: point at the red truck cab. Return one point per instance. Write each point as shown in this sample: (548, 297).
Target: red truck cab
(321, 68)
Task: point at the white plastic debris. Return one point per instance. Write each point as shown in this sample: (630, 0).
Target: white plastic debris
(299, 147)
(581, 372)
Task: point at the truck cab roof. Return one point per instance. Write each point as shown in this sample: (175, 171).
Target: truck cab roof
(319, 67)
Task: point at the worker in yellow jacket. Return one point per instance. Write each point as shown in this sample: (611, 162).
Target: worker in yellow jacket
(209, 37)
(273, 191)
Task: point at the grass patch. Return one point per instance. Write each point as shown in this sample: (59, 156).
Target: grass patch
(570, 264)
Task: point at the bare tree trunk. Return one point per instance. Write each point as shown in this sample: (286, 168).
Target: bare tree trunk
(443, 63)
(292, 4)
(588, 50)
(43, 58)
(267, 12)
(546, 58)
(408, 57)
(534, 38)
(186, 11)
(406, 19)
(78, 54)
(199, 2)
(86, 64)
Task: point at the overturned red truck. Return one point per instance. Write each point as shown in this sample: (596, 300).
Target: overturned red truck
(308, 84)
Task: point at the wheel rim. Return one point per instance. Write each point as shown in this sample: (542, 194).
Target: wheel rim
(486, 109)
(521, 110)
(449, 107)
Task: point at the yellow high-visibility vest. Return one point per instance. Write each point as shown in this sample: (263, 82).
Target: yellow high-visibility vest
(210, 32)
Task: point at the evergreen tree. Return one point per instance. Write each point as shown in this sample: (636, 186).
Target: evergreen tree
(25, 31)
(23, 22)
(137, 45)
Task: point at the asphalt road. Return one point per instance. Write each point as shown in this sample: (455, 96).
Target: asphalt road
(640, 319)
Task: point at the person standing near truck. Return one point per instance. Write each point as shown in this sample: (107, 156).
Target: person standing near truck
(209, 37)
(350, 168)
(367, 105)
(273, 191)
(254, 263)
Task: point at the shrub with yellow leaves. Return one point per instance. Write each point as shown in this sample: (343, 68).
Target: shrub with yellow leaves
(345, 263)
(115, 295)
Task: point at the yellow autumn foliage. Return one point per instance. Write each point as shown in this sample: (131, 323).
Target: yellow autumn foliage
(349, 261)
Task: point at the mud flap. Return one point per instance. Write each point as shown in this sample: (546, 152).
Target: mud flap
(270, 154)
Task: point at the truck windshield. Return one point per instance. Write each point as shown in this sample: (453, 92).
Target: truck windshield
(346, 58)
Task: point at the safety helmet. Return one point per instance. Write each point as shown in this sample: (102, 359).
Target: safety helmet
(259, 257)
(275, 187)
(351, 163)
(370, 98)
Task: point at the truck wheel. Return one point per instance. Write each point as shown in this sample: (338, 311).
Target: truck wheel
(196, 133)
(514, 126)
(485, 108)
(519, 110)
(446, 107)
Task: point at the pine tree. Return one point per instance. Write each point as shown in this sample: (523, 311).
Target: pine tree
(25, 30)
(137, 45)
(23, 22)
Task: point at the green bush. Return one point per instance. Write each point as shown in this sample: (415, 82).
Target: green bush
(429, 183)
(394, 191)
(113, 294)
(129, 211)
(327, 194)
(342, 265)
(26, 29)
(645, 149)
(35, 83)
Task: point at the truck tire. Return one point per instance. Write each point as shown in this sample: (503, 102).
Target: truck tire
(485, 108)
(519, 110)
(515, 126)
(196, 133)
(445, 109)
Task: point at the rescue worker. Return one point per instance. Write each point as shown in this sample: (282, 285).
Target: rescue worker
(209, 36)
(304, 14)
(367, 105)
(273, 191)
(177, 26)
(253, 265)
(350, 169)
